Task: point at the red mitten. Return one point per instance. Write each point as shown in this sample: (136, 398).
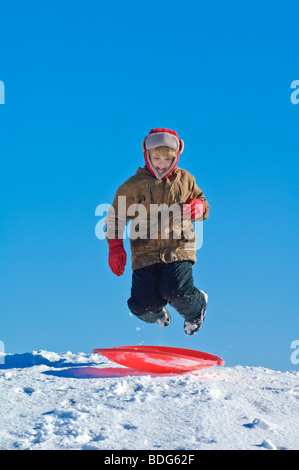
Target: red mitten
(193, 209)
(117, 257)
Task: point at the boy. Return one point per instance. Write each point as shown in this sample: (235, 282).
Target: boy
(162, 253)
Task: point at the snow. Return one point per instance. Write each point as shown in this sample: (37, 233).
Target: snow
(83, 401)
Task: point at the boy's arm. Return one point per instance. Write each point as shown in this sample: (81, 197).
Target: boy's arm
(117, 218)
(116, 221)
(196, 206)
(198, 194)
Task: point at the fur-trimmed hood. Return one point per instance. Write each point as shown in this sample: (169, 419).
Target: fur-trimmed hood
(162, 137)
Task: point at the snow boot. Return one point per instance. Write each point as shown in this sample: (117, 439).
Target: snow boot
(191, 327)
(165, 318)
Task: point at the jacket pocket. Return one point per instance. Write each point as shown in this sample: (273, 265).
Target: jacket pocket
(143, 245)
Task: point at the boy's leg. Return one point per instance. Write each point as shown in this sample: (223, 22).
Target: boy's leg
(146, 302)
(177, 287)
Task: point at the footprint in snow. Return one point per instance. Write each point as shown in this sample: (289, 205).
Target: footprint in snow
(257, 423)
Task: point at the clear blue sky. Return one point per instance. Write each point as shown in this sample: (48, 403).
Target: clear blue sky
(84, 83)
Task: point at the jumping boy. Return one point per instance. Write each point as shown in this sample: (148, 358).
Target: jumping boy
(162, 201)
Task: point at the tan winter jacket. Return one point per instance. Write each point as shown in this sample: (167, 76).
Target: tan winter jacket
(158, 233)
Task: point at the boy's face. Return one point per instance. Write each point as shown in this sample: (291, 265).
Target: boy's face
(161, 163)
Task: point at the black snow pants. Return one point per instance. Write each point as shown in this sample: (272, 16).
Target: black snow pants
(156, 285)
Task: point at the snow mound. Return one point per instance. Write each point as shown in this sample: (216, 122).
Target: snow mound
(83, 401)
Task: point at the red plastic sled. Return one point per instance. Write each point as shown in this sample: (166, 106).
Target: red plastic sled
(160, 359)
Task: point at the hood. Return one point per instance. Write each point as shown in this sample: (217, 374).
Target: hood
(159, 137)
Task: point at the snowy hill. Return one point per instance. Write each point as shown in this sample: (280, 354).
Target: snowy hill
(80, 401)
